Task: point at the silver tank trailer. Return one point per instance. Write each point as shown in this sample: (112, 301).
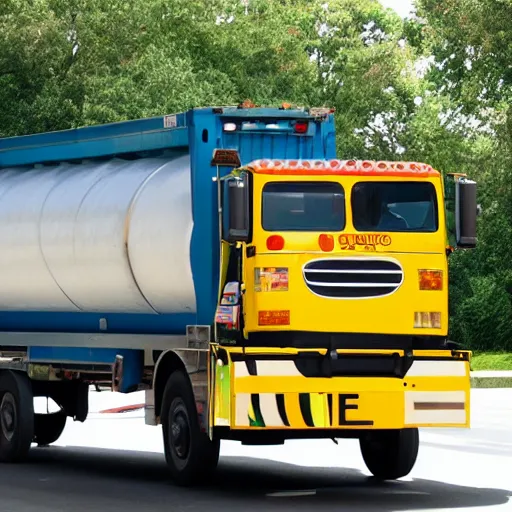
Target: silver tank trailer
(97, 237)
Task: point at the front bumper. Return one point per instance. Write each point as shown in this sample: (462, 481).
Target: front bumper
(276, 389)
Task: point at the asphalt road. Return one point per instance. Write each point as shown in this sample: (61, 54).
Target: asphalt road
(115, 463)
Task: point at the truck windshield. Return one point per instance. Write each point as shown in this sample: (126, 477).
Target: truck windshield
(394, 207)
(303, 206)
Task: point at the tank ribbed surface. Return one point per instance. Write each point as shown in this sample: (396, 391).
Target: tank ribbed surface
(97, 237)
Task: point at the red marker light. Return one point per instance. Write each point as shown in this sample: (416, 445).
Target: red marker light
(275, 243)
(326, 242)
(301, 127)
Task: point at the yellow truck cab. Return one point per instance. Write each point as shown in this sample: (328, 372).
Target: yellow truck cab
(333, 314)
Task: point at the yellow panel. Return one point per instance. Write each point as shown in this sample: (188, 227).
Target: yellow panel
(385, 410)
(369, 410)
(255, 384)
(291, 350)
(292, 406)
(430, 397)
(310, 312)
(319, 409)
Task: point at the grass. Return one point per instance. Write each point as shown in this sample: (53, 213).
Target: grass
(491, 361)
(497, 382)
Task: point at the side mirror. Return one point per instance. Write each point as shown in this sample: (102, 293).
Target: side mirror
(466, 212)
(236, 223)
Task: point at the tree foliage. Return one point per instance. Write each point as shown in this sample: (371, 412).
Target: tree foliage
(470, 43)
(69, 63)
(95, 61)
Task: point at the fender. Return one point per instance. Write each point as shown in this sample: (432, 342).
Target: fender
(193, 359)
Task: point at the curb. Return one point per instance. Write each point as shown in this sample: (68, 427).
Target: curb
(125, 408)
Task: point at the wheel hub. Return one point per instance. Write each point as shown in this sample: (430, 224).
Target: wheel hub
(180, 431)
(8, 416)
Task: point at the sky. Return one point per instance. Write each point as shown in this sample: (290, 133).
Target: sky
(402, 7)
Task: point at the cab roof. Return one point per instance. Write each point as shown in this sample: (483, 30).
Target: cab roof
(343, 168)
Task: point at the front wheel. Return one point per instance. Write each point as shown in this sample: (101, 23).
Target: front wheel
(16, 416)
(390, 454)
(191, 456)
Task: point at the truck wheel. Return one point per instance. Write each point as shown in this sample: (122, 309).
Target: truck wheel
(16, 416)
(191, 457)
(48, 427)
(390, 454)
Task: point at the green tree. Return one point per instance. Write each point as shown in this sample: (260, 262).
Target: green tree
(69, 63)
(95, 61)
(468, 43)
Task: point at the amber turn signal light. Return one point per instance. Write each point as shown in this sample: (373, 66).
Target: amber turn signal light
(430, 279)
(326, 242)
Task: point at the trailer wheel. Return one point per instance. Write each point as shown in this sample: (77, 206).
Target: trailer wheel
(390, 454)
(48, 427)
(16, 416)
(191, 457)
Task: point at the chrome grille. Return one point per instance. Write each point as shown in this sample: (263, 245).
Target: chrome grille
(353, 278)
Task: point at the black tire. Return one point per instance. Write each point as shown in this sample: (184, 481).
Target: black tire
(48, 427)
(16, 416)
(191, 457)
(390, 454)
